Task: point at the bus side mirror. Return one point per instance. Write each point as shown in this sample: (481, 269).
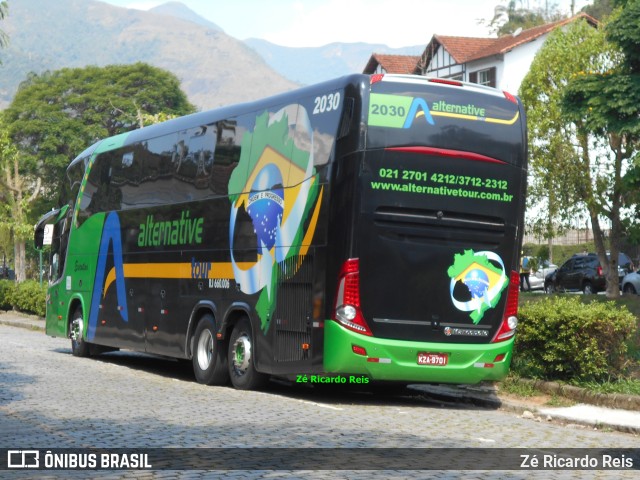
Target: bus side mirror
(38, 237)
(44, 228)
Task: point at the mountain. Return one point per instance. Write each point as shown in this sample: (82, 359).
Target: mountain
(314, 64)
(214, 68)
(180, 10)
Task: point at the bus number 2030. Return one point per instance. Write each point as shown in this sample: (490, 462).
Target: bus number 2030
(326, 103)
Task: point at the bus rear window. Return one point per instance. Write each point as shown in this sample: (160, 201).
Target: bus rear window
(451, 117)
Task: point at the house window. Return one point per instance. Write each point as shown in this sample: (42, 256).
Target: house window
(484, 77)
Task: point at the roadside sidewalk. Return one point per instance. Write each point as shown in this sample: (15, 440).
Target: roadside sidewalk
(599, 411)
(15, 319)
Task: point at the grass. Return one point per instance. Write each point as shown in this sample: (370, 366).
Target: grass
(622, 386)
(558, 401)
(513, 386)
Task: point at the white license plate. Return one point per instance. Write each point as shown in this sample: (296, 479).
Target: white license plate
(434, 359)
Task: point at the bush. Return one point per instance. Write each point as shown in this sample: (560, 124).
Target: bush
(7, 292)
(560, 338)
(30, 297)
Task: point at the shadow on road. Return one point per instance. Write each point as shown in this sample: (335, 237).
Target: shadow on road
(370, 394)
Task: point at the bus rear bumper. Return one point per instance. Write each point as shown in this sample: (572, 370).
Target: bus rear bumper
(397, 360)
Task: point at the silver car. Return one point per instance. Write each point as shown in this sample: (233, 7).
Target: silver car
(536, 279)
(631, 283)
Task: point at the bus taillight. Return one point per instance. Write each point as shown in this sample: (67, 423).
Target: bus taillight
(510, 319)
(510, 97)
(445, 81)
(347, 307)
(377, 77)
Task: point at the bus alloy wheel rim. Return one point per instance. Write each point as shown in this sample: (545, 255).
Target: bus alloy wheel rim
(242, 354)
(205, 349)
(77, 327)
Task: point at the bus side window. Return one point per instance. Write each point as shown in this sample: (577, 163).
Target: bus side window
(59, 245)
(230, 146)
(158, 184)
(201, 147)
(279, 145)
(192, 160)
(106, 196)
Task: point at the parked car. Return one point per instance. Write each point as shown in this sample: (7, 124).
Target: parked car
(7, 273)
(631, 283)
(536, 279)
(583, 273)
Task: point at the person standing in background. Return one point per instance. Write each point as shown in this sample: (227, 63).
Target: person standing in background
(525, 270)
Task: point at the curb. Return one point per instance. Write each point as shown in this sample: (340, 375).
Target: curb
(35, 324)
(609, 400)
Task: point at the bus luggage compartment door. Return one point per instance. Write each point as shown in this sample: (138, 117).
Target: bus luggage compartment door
(292, 317)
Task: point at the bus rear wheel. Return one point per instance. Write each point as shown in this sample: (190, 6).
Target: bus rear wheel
(79, 347)
(209, 359)
(242, 371)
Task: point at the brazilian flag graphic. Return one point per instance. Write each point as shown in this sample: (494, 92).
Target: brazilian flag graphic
(278, 189)
(484, 276)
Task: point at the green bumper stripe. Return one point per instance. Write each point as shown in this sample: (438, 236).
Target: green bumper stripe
(398, 358)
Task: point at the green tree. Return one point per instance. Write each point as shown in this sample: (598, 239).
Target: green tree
(56, 115)
(19, 191)
(560, 170)
(599, 9)
(605, 103)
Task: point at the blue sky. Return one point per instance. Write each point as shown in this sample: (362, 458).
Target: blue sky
(313, 23)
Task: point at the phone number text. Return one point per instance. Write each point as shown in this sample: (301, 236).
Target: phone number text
(443, 178)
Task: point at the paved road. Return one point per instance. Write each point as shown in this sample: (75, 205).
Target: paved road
(50, 399)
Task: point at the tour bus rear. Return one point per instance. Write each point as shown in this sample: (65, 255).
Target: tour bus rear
(430, 291)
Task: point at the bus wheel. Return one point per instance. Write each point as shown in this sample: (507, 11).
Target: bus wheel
(79, 347)
(209, 359)
(242, 371)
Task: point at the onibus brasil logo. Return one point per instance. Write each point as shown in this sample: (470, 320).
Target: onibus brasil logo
(483, 273)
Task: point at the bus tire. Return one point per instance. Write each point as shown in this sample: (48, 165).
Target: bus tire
(79, 346)
(209, 359)
(242, 371)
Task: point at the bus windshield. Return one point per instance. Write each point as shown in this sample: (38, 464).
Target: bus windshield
(469, 118)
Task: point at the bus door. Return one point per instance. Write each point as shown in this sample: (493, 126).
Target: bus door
(59, 221)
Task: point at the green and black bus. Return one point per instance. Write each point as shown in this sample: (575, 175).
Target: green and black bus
(363, 229)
